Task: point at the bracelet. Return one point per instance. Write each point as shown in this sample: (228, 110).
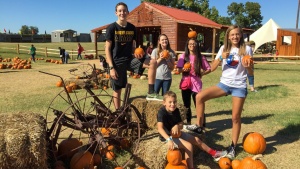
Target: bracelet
(221, 58)
(168, 139)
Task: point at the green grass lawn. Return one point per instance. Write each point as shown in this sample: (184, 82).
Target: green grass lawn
(273, 111)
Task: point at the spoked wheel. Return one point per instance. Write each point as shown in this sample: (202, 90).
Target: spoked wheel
(89, 122)
(82, 70)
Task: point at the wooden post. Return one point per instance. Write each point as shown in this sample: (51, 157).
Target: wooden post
(96, 44)
(46, 53)
(213, 44)
(18, 49)
(72, 54)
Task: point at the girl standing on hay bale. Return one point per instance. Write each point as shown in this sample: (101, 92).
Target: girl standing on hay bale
(233, 81)
(169, 123)
(198, 66)
(165, 58)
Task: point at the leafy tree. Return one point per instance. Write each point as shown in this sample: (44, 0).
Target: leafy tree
(248, 15)
(26, 30)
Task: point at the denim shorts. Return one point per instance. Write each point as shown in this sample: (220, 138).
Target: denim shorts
(237, 92)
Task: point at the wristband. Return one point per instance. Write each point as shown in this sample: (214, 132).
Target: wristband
(168, 139)
(221, 58)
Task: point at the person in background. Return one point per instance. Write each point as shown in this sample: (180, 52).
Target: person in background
(62, 54)
(120, 46)
(79, 51)
(164, 65)
(149, 49)
(169, 123)
(32, 52)
(233, 81)
(199, 68)
(67, 56)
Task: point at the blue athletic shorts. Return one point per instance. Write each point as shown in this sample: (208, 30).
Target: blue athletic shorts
(237, 92)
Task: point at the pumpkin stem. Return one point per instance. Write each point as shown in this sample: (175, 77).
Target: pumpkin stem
(191, 29)
(257, 157)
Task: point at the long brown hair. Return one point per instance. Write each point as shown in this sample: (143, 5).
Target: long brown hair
(198, 56)
(228, 44)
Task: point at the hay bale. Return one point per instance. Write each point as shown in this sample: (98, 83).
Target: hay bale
(149, 110)
(152, 152)
(22, 141)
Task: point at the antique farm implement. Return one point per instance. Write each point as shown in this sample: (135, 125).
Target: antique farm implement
(87, 121)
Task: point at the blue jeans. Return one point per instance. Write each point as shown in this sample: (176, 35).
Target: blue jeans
(164, 84)
(79, 55)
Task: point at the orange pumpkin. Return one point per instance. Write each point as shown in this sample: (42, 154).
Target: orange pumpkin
(119, 168)
(141, 168)
(105, 131)
(59, 84)
(110, 147)
(73, 86)
(252, 163)
(68, 147)
(110, 155)
(104, 87)
(174, 157)
(165, 54)
(69, 89)
(225, 163)
(192, 33)
(254, 143)
(247, 60)
(176, 135)
(139, 51)
(235, 164)
(82, 159)
(179, 166)
(187, 65)
(97, 159)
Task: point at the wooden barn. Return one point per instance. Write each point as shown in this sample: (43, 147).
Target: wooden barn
(288, 42)
(151, 20)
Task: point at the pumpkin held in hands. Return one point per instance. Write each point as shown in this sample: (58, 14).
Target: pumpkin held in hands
(247, 60)
(254, 143)
(174, 157)
(165, 54)
(139, 51)
(192, 33)
(187, 65)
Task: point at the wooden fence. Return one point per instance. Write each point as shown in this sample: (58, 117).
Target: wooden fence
(48, 51)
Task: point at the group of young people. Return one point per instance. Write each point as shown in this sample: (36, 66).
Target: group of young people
(119, 50)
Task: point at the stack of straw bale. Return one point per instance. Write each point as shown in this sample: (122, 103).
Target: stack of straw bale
(22, 141)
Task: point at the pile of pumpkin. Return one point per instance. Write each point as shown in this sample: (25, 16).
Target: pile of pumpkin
(70, 152)
(253, 143)
(17, 63)
(54, 61)
(90, 56)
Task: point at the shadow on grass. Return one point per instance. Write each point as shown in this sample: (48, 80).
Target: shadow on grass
(266, 86)
(10, 71)
(280, 69)
(287, 135)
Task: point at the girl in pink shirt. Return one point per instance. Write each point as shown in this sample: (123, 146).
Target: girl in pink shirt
(199, 67)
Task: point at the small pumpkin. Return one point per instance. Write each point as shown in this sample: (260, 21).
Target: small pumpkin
(252, 163)
(82, 159)
(192, 33)
(235, 164)
(174, 157)
(69, 89)
(110, 155)
(254, 143)
(119, 168)
(59, 84)
(247, 60)
(187, 65)
(68, 147)
(105, 131)
(179, 166)
(139, 51)
(165, 54)
(225, 163)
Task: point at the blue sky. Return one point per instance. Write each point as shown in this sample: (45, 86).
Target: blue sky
(84, 15)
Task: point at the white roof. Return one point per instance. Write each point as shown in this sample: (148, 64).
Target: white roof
(266, 33)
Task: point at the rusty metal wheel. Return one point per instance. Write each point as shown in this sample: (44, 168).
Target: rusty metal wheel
(92, 119)
(83, 70)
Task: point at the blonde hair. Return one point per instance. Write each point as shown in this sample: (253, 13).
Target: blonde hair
(228, 44)
(169, 94)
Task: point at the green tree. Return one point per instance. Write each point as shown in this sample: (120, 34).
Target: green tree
(28, 30)
(248, 15)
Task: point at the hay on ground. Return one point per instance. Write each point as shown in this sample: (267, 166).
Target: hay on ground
(22, 141)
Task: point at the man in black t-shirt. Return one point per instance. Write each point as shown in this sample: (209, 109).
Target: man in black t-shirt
(119, 50)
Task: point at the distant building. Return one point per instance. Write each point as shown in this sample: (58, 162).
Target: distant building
(64, 36)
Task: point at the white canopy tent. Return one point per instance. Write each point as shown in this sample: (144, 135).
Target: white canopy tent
(266, 33)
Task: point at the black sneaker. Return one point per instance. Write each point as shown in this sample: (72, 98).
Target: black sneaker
(194, 128)
(231, 153)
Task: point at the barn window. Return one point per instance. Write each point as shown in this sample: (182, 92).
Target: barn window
(286, 40)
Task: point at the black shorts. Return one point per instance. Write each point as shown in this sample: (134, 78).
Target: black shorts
(135, 65)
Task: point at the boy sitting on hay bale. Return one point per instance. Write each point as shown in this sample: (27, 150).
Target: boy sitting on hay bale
(169, 124)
